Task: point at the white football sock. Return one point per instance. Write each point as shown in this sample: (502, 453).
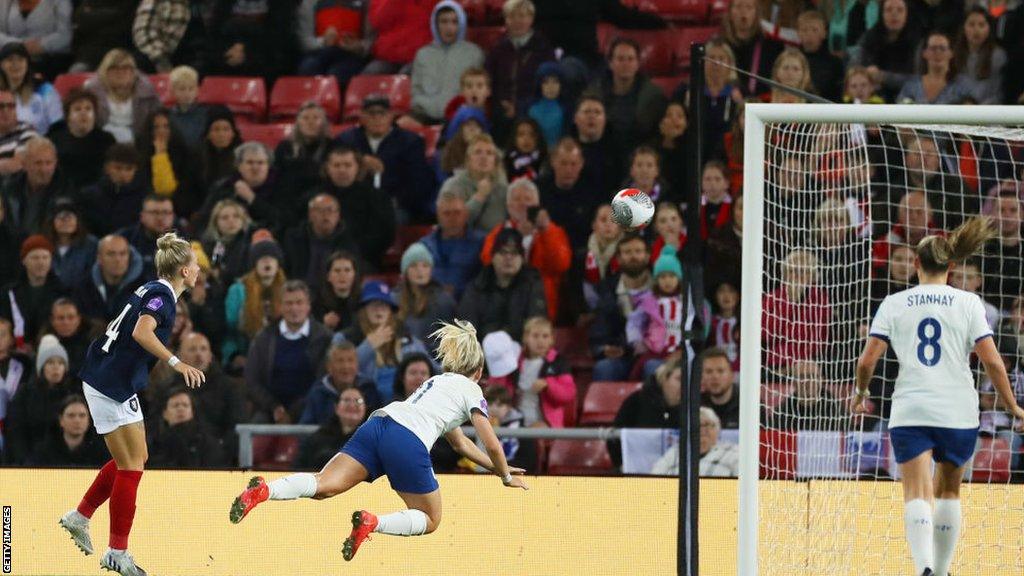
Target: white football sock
(917, 521)
(292, 487)
(404, 523)
(947, 532)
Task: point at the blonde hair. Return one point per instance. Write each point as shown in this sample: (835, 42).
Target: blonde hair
(937, 253)
(800, 260)
(830, 208)
(184, 76)
(172, 253)
(512, 6)
(537, 323)
(115, 57)
(718, 43)
(458, 350)
(212, 233)
(790, 53)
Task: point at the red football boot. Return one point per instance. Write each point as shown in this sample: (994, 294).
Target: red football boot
(363, 523)
(254, 494)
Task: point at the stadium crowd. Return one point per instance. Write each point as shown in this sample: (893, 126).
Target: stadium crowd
(327, 256)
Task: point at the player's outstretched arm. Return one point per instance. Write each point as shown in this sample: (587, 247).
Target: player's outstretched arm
(993, 362)
(468, 449)
(145, 334)
(495, 453)
(873, 351)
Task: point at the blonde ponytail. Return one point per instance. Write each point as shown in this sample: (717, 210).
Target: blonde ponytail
(458, 350)
(172, 254)
(937, 253)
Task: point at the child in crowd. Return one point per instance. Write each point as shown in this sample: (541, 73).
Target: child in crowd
(791, 70)
(502, 413)
(668, 229)
(858, 87)
(601, 247)
(645, 174)
(474, 91)
(527, 151)
(655, 327)
(967, 276)
(725, 323)
(466, 125)
(548, 109)
(826, 68)
(188, 116)
(715, 201)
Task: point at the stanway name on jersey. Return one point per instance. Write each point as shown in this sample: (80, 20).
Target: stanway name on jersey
(925, 299)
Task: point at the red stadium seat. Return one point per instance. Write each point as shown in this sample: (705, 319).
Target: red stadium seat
(676, 10)
(291, 92)
(486, 37)
(405, 237)
(65, 83)
(269, 134)
(684, 37)
(656, 47)
(337, 129)
(668, 84)
(581, 457)
(573, 342)
(162, 84)
(246, 96)
(391, 279)
(603, 400)
(718, 9)
(991, 461)
(396, 87)
(274, 452)
(431, 135)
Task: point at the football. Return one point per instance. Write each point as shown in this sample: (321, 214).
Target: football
(632, 209)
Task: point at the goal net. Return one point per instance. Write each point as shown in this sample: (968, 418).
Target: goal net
(832, 208)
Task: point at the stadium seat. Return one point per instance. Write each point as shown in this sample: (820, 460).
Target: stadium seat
(668, 84)
(246, 96)
(573, 342)
(692, 11)
(486, 37)
(991, 461)
(291, 92)
(656, 47)
(431, 135)
(476, 11)
(579, 457)
(65, 83)
(269, 134)
(337, 129)
(602, 401)
(162, 84)
(396, 87)
(274, 452)
(403, 239)
(684, 37)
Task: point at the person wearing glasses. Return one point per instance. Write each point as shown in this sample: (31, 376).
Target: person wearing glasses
(318, 449)
(156, 218)
(940, 82)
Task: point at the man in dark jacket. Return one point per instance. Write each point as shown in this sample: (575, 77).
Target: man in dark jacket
(115, 275)
(309, 244)
(604, 158)
(616, 294)
(367, 213)
(28, 194)
(394, 158)
(634, 105)
(563, 194)
(180, 440)
(285, 358)
(507, 292)
(572, 24)
(656, 405)
(342, 374)
(155, 220)
(99, 26)
(115, 201)
(256, 40)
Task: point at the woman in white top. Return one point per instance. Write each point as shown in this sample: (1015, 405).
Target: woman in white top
(933, 328)
(396, 442)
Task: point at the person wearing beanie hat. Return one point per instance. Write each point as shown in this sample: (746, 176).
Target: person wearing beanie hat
(49, 348)
(422, 300)
(253, 300)
(220, 138)
(74, 248)
(36, 242)
(656, 326)
(263, 244)
(416, 252)
(26, 301)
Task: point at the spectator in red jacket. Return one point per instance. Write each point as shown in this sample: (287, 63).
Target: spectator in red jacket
(796, 314)
(546, 243)
(402, 27)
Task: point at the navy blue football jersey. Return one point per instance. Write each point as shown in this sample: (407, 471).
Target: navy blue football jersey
(115, 364)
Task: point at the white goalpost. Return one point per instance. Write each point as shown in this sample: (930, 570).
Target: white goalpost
(833, 195)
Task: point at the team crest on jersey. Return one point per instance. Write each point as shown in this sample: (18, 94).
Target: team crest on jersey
(133, 404)
(155, 304)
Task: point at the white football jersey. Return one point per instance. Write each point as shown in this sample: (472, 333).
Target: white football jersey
(437, 406)
(933, 329)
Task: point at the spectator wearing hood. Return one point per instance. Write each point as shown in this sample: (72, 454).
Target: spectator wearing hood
(463, 127)
(115, 202)
(217, 152)
(515, 61)
(33, 411)
(26, 301)
(438, 66)
(548, 107)
(115, 275)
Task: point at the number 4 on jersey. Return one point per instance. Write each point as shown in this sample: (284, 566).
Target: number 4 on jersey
(113, 329)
